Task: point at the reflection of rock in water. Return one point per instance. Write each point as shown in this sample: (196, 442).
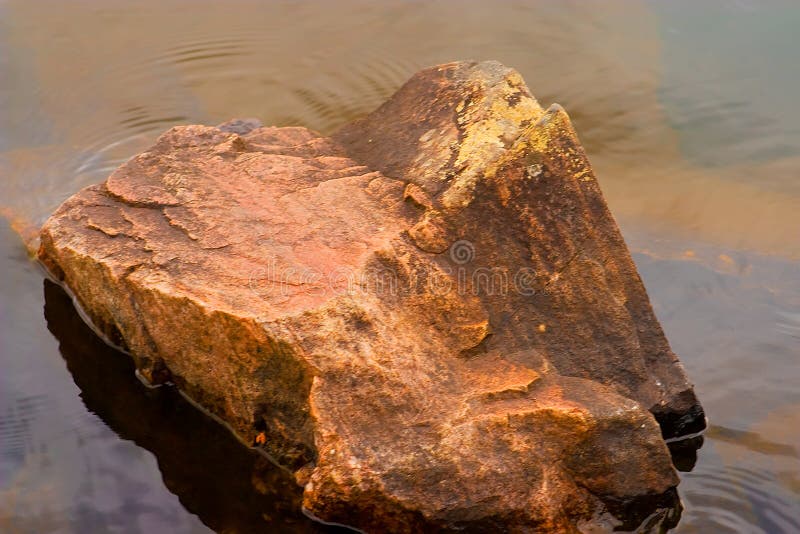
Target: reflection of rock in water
(684, 452)
(231, 488)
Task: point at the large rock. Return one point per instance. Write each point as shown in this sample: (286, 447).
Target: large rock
(431, 317)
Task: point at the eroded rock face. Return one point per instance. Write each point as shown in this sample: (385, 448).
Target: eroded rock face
(430, 316)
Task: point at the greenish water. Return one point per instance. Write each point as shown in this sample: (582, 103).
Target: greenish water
(687, 110)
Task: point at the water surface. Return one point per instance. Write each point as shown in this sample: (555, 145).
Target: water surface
(687, 110)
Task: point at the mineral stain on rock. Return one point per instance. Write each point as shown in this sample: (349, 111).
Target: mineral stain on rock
(430, 316)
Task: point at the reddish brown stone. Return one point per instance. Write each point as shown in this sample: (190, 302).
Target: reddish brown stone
(431, 316)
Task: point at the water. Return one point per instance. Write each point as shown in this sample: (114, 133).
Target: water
(688, 112)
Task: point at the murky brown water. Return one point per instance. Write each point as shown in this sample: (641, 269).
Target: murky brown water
(688, 112)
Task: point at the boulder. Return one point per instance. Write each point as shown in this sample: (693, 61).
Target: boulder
(430, 316)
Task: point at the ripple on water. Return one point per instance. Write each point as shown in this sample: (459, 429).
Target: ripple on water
(737, 499)
(16, 433)
(329, 99)
(203, 50)
(789, 324)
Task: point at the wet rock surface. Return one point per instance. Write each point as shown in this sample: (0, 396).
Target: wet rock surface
(430, 316)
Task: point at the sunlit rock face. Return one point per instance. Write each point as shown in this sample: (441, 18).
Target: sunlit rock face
(430, 316)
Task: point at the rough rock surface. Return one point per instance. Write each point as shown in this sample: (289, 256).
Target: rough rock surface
(431, 316)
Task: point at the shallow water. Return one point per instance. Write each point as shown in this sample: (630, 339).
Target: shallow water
(689, 117)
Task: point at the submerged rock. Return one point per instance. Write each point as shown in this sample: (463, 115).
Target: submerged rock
(430, 316)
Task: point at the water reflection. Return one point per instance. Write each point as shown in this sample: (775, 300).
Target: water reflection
(752, 441)
(231, 488)
(684, 452)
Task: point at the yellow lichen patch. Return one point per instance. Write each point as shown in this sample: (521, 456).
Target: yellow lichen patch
(434, 152)
(540, 138)
(555, 125)
(543, 328)
(489, 123)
